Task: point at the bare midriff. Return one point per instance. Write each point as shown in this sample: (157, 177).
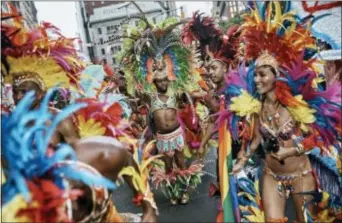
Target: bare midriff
(292, 164)
(165, 120)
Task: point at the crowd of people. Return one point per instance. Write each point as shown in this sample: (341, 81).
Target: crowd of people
(264, 94)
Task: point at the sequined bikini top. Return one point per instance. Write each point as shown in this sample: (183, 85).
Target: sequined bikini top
(284, 132)
(158, 104)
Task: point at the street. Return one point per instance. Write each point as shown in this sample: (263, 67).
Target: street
(201, 207)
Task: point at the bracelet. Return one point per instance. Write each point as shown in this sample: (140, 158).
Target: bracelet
(300, 149)
(148, 197)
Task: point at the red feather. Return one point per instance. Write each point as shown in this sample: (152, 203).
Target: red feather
(93, 107)
(317, 7)
(50, 202)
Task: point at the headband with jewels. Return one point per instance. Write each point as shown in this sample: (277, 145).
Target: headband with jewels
(51, 58)
(214, 44)
(266, 59)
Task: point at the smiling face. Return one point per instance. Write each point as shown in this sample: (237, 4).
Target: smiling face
(264, 79)
(216, 71)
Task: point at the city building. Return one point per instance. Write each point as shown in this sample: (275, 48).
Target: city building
(98, 21)
(26, 8)
(227, 9)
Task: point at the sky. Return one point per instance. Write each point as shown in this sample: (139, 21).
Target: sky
(63, 13)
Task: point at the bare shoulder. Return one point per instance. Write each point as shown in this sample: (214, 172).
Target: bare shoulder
(102, 141)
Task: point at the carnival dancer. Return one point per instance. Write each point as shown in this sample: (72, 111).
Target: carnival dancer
(32, 72)
(219, 52)
(157, 68)
(284, 113)
(85, 198)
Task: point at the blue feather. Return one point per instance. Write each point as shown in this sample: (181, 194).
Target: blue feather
(24, 147)
(262, 9)
(287, 7)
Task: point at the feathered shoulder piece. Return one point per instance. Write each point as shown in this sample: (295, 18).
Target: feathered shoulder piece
(240, 97)
(34, 188)
(318, 111)
(43, 54)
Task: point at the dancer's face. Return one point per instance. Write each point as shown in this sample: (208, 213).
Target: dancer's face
(264, 79)
(25, 87)
(162, 84)
(216, 71)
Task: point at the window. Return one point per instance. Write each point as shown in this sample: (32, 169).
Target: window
(112, 50)
(119, 48)
(104, 61)
(154, 20)
(99, 30)
(114, 61)
(103, 51)
(101, 40)
(136, 23)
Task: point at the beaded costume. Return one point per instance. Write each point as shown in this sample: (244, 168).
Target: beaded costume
(273, 36)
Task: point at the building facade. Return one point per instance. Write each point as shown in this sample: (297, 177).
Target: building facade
(227, 9)
(26, 8)
(99, 21)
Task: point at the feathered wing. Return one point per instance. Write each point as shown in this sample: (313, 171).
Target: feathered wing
(240, 99)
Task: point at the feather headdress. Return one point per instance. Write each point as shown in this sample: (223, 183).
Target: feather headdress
(42, 53)
(150, 48)
(214, 44)
(271, 29)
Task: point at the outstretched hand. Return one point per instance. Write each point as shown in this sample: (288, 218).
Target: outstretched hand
(240, 165)
(149, 217)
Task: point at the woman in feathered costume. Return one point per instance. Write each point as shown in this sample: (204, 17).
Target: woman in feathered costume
(285, 114)
(157, 66)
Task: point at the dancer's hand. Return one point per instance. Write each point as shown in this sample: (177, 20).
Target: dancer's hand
(240, 165)
(284, 152)
(150, 216)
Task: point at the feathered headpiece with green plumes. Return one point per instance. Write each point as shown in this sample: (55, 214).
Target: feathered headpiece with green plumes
(147, 48)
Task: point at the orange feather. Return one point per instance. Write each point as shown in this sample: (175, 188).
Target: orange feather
(149, 65)
(169, 66)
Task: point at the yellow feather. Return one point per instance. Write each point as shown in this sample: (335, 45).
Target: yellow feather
(302, 113)
(49, 71)
(90, 127)
(258, 215)
(277, 16)
(245, 104)
(10, 210)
